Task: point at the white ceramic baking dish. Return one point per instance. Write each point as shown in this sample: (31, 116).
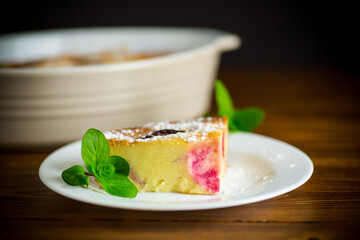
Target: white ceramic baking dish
(52, 106)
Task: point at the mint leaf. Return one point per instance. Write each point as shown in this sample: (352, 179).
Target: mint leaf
(248, 119)
(106, 170)
(225, 105)
(94, 149)
(223, 100)
(232, 126)
(121, 165)
(119, 185)
(75, 176)
(239, 120)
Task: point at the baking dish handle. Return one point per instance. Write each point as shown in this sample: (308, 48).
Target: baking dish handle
(228, 42)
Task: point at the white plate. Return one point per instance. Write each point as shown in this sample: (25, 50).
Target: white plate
(259, 168)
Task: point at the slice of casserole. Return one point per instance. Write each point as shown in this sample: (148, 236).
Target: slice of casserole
(183, 156)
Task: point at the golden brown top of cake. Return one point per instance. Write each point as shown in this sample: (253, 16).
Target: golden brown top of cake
(188, 130)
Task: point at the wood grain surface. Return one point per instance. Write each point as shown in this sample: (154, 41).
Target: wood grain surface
(315, 110)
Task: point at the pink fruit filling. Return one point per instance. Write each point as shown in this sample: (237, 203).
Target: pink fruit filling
(203, 165)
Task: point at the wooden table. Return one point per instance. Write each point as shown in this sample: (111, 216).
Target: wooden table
(315, 110)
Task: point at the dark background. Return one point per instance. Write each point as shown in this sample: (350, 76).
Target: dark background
(281, 34)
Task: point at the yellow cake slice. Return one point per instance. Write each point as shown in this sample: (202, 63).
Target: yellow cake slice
(183, 156)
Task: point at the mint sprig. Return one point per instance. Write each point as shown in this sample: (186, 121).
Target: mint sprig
(245, 119)
(110, 171)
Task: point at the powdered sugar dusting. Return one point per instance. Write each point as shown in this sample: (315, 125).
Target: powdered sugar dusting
(246, 174)
(192, 130)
